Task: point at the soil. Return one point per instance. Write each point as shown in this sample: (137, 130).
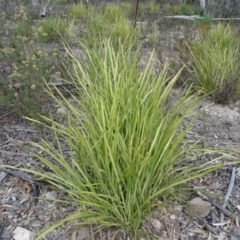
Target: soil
(216, 125)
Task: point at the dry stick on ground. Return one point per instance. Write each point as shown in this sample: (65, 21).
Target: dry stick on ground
(228, 194)
(3, 175)
(26, 177)
(7, 114)
(18, 154)
(219, 206)
(194, 17)
(3, 225)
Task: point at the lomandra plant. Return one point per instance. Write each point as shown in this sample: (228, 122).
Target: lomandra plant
(214, 63)
(127, 146)
(112, 23)
(81, 12)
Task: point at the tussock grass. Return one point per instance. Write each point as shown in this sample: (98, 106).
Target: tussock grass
(111, 23)
(127, 146)
(81, 12)
(215, 61)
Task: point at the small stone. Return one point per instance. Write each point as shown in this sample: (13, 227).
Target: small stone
(178, 208)
(50, 195)
(222, 236)
(172, 216)
(198, 208)
(156, 224)
(23, 234)
(61, 112)
(156, 214)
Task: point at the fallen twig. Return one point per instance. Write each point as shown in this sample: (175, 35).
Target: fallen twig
(219, 206)
(14, 153)
(7, 114)
(23, 175)
(194, 17)
(28, 177)
(3, 175)
(228, 194)
(2, 226)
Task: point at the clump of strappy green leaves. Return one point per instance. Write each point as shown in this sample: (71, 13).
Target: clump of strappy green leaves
(126, 140)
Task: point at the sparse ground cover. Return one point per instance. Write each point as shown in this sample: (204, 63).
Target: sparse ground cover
(121, 139)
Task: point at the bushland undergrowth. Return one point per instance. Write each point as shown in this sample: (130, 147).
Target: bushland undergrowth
(127, 145)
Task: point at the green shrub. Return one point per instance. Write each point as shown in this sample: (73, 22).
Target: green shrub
(153, 7)
(127, 146)
(26, 64)
(153, 36)
(21, 23)
(204, 23)
(111, 23)
(22, 85)
(81, 12)
(128, 9)
(51, 29)
(148, 11)
(180, 9)
(215, 61)
(113, 13)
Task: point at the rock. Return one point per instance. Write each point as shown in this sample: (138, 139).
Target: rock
(156, 224)
(6, 234)
(23, 234)
(198, 208)
(222, 236)
(50, 195)
(236, 230)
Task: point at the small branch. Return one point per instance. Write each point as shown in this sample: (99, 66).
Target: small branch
(194, 17)
(219, 206)
(19, 154)
(26, 177)
(228, 194)
(2, 226)
(7, 114)
(136, 13)
(3, 175)
(226, 19)
(23, 175)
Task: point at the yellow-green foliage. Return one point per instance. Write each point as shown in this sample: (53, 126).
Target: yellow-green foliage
(128, 9)
(181, 9)
(81, 12)
(153, 7)
(111, 23)
(215, 61)
(51, 29)
(127, 150)
(27, 63)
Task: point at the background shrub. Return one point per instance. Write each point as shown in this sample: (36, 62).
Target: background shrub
(51, 29)
(215, 61)
(111, 23)
(26, 65)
